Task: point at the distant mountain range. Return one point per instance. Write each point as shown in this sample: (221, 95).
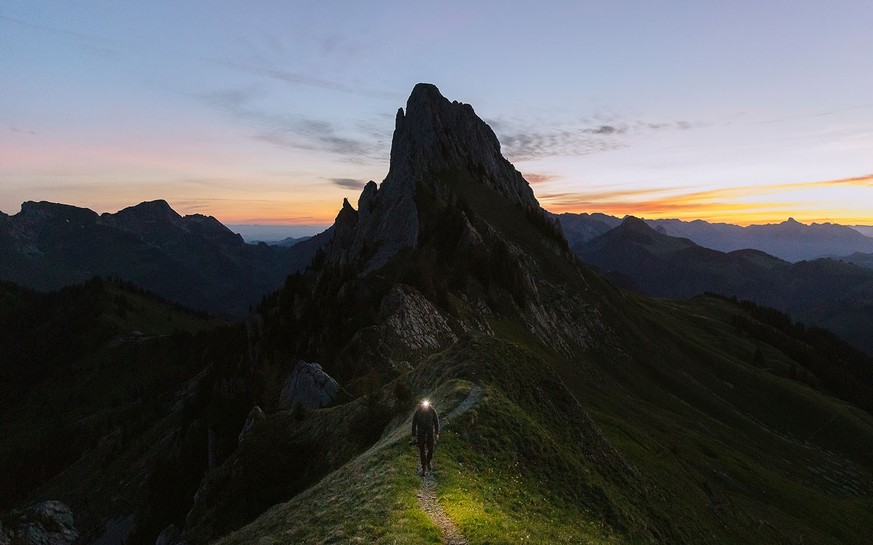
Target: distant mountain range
(193, 260)
(789, 240)
(272, 234)
(828, 293)
(571, 411)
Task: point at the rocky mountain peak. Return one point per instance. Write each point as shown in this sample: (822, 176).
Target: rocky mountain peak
(35, 213)
(435, 135)
(149, 211)
(636, 224)
(432, 138)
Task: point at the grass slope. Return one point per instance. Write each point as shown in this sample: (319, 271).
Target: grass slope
(686, 442)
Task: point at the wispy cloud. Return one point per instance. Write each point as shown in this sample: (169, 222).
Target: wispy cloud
(537, 178)
(296, 78)
(289, 130)
(528, 141)
(21, 131)
(860, 181)
(96, 44)
(348, 183)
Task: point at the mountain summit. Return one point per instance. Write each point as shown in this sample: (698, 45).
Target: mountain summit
(433, 139)
(437, 136)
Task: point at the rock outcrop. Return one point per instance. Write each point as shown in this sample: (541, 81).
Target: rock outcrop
(255, 415)
(44, 523)
(414, 320)
(309, 387)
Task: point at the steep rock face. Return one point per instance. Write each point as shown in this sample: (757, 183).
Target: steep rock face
(415, 322)
(308, 386)
(433, 137)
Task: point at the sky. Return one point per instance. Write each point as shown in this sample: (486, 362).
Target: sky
(272, 112)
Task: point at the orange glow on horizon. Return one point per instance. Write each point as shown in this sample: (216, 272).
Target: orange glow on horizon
(262, 212)
(744, 205)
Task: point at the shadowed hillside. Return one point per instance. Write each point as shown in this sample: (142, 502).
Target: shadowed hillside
(193, 260)
(824, 292)
(574, 411)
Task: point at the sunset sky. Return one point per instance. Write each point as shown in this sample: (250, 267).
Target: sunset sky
(272, 112)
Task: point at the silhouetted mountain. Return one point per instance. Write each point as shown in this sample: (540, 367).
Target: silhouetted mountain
(823, 292)
(789, 240)
(583, 227)
(290, 241)
(862, 260)
(572, 411)
(194, 260)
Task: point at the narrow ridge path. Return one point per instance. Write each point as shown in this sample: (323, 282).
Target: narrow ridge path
(427, 492)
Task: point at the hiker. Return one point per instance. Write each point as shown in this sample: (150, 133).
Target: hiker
(425, 429)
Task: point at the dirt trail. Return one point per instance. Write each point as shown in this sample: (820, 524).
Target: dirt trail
(427, 492)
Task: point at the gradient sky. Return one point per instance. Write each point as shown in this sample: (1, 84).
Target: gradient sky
(272, 112)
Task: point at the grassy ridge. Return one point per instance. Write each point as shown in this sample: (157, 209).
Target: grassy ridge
(687, 443)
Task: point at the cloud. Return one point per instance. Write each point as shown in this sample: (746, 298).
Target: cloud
(527, 145)
(96, 44)
(293, 131)
(535, 178)
(348, 183)
(309, 81)
(860, 181)
(525, 141)
(606, 129)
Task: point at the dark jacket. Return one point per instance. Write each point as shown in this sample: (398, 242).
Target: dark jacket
(425, 420)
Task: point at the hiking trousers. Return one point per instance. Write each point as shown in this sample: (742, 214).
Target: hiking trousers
(425, 449)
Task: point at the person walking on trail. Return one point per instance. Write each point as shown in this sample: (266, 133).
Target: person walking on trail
(425, 430)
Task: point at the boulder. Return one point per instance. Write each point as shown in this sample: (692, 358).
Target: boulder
(308, 386)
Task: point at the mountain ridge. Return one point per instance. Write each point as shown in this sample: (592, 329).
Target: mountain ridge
(605, 416)
(194, 259)
(823, 292)
(789, 240)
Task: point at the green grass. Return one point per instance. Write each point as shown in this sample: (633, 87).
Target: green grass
(503, 480)
(503, 476)
(734, 444)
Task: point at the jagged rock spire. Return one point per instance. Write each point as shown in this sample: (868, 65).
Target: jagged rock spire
(432, 137)
(435, 135)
